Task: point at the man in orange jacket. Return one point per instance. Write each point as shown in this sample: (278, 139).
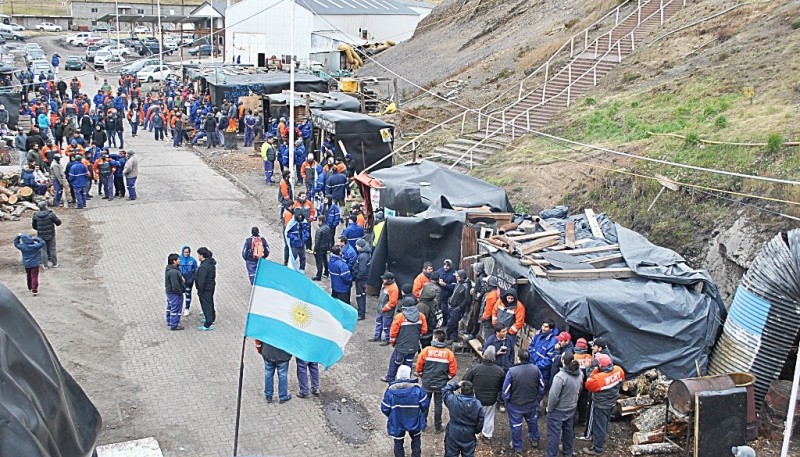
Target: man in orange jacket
(604, 383)
(436, 365)
(423, 278)
(509, 313)
(490, 302)
(407, 326)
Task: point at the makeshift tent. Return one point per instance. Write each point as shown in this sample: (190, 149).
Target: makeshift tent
(232, 86)
(667, 315)
(410, 189)
(277, 105)
(365, 138)
(43, 411)
(408, 242)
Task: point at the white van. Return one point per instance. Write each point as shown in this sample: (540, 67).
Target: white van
(80, 39)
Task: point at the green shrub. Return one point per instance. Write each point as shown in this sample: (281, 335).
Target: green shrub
(796, 24)
(774, 143)
(721, 122)
(590, 101)
(692, 139)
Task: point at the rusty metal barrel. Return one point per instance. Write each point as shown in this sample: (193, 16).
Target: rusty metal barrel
(681, 392)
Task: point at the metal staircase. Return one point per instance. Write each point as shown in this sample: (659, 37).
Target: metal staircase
(569, 74)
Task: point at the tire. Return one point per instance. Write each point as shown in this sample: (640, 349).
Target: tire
(58, 29)
(150, 79)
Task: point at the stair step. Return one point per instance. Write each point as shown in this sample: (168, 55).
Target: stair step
(470, 142)
(479, 136)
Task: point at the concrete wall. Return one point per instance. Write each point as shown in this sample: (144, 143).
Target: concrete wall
(379, 27)
(30, 22)
(272, 20)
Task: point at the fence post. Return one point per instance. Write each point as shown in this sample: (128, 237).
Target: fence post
(661, 10)
(479, 119)
(569, 93)
(519, 95)
(572, 46)
(619, 51)
(586, 39)
(609, 41)
(503, 118)
(463, 121)
(616, 20)
(633, 41)
(528, 118)
(594, 71)
(596, 43)
(639, 13)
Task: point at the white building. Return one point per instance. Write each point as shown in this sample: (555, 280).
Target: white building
(259, 29)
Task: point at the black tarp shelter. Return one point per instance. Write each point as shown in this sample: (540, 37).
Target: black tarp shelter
(277, 105)
(43, 411)
(412, 188)
(667, 316)
(366, 138)
(227, 85)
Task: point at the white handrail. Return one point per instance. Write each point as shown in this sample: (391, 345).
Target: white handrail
(593, 68)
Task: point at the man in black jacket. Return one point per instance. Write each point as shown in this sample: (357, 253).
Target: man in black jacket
(487, 380)
(466, 419)
(459, 305)
(173, 285)
(275, 360)
(323, 240)
(205, 281)
(360, 276)
(45, 222)
(210, 126)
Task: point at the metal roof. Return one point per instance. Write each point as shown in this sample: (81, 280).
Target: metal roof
(356, 7)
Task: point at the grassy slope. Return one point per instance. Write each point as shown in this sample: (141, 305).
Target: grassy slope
(691, 84)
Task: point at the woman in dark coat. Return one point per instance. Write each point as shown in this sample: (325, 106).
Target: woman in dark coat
(99, 137)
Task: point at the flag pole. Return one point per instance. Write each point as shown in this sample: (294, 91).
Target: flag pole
(239, 400)
(241, 371)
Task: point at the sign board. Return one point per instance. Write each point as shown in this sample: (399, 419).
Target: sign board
(386, 135)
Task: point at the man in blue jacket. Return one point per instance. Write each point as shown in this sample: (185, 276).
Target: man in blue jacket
(188, 269)
(349, 253)
(31, 258)
(78, 173)
(406, 405)
(542, 348)
(353, 231)
(447, 283)
(335, 186)
(298, 232)
(341, 279)
(361, 274)
(466, 419)
(523, 388)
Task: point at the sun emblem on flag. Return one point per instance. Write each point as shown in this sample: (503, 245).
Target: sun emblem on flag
(301, 315)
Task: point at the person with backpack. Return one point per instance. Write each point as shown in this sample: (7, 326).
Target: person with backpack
(158, 121)
(268, 156)
(255, 248)
(428, 307)
(407, 326)
(188, 269)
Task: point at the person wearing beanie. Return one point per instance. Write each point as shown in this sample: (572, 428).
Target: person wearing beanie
(604, 383)
(563, 345)
(387, 302)
(188, 269)
(479, 289)
(487, 380)
(206, 284)
(405, 405)
(323, 242)
(523, 389)
(58, 179)
(490, 298)
(510, 313)
(45, 222)
(298, 234)
(78, 176)
(429, 306)
(173, 285)
(460, 304)
(361, 275)
(542, 347)
(423, 278)
(353, 231)
(447, 283)
(436, 365)
(466, 419)
(584, 358)
(341, 276)
(407, 326)
(255, 248)
(30, 247)
(561, 405)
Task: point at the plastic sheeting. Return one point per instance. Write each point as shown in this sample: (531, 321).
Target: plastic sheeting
(656, 319)
(279, 103)
(232, 86)
(43, 411)
(408, 242)
(360, 134)
(410, 189)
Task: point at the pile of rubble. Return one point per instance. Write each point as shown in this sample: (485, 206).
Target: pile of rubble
(16, 198)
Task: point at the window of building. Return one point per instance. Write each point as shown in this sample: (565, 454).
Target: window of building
(94, 10)
(139, 11)
(171, 12)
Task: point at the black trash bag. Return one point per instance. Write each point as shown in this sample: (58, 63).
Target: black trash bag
(559, 212)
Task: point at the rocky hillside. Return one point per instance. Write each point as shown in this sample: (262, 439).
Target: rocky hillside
(732, 79)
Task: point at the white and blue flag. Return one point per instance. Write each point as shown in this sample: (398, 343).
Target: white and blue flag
(292, 313)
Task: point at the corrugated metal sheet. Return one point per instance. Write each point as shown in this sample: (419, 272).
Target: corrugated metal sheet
(764, 318)
(348, 7)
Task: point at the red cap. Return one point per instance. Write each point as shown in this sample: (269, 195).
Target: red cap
(603, 360)
(582, 343)
(564, 336)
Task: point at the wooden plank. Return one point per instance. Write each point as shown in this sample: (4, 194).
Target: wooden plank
(610, 247)
(655, 449)
(476, 346)
(569, 237)
(540, 244)
(596, 232)
(603, 273)
(602, 262)
(534, 236)
(538, 271)
(668, 183)
(543, 224)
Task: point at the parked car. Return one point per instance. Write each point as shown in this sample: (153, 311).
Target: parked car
(152, 47)
(48, 27)
(118, 49)
(12, 35)
(105, 42)
(75, 63)
(29, 46)
(91, 51)
(170, 46)
(141, 29)
(154, 73)
(101, 56)
(80, 39)
(35, 54)
(101, 28)
(133, 68)
(41, 66)
(16, 27)
(203, 50)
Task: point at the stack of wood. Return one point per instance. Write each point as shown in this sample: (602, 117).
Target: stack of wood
(15, 198)
(645, 397)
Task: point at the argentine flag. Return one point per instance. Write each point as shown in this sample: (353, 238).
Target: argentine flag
(292, 313)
